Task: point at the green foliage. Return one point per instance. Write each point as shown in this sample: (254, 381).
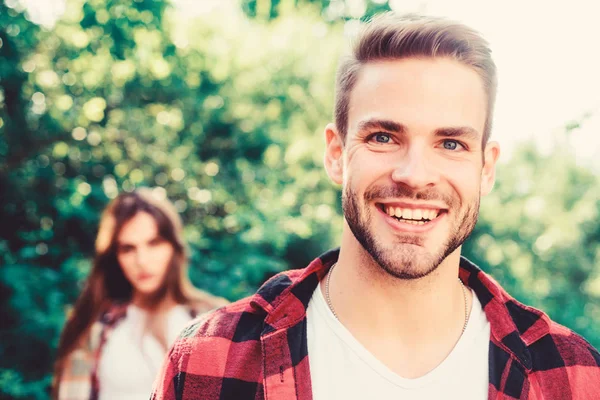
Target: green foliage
(330, 10)
(220, 113)
(538, 235)
(223, 114)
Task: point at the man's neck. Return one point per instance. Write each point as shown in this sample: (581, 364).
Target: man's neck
(410, 325)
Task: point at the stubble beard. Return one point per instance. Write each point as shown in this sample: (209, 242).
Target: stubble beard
(406, 259)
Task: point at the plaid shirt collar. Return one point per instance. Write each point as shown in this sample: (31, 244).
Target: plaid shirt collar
(256, 348)
(513, 326)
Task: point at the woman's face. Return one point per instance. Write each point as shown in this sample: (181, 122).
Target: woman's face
(144, 256)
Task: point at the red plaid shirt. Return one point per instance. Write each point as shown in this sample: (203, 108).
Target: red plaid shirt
(256, 348)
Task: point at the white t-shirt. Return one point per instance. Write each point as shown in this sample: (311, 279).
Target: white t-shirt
(130, 359)
(343, 369)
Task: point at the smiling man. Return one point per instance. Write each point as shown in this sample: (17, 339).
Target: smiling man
(395, 313)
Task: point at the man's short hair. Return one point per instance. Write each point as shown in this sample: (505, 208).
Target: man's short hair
(392, 37)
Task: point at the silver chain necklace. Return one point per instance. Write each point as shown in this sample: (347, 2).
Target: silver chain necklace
(336, 316)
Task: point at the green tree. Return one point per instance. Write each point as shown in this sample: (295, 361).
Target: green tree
(538, 235)
(330, 10)
(219, 113)
(222, 113)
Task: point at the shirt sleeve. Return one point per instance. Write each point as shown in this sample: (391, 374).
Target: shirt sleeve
(76, 380)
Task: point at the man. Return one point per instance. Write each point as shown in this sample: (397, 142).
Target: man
(395, 313)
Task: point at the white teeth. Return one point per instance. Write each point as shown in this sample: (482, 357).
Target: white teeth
(414, 215)
(417, 215)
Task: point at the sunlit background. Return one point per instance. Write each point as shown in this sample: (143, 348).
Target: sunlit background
(219, 105)
(545, 52)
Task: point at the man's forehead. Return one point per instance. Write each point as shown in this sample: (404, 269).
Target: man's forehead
(412, 69)
(441, 90)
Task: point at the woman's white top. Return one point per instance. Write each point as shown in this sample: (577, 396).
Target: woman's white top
(131, 358)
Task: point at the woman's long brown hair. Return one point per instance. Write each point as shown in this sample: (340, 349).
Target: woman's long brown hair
(107, 285)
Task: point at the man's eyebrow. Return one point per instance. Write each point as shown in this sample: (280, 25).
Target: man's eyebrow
(382, 124)
(395, 127)
(461, 131)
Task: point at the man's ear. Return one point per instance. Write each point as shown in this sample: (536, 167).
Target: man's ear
(488, 173)
(334, 151)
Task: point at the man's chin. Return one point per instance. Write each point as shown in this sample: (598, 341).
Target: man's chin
(410, 270)
(407, 261)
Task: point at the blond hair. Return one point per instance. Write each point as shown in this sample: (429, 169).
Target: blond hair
(392, 37)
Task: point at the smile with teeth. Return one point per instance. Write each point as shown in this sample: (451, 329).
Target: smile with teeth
(414, 216)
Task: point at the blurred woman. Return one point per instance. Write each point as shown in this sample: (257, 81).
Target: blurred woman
(135, 302)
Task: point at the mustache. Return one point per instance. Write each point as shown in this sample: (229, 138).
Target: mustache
(402, 191)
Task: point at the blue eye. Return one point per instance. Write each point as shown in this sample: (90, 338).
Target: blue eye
(382, 137)
(450, 144)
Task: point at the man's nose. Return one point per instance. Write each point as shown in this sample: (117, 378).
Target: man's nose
(416, 168)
